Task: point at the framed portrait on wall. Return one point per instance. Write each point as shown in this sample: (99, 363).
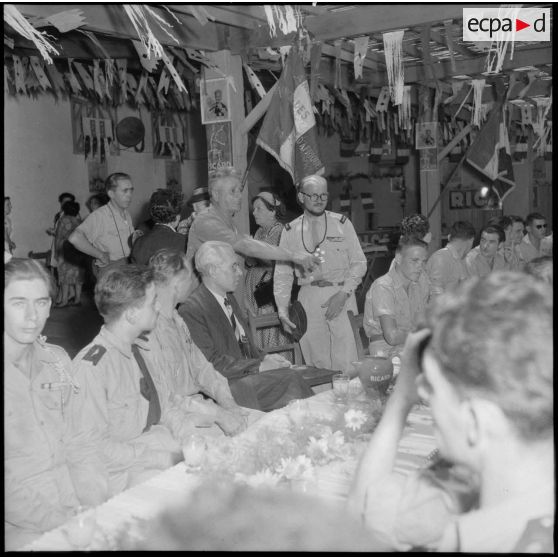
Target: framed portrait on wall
(215, 101)
(426, 135)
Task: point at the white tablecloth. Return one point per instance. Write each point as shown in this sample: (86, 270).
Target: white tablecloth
(174, 485)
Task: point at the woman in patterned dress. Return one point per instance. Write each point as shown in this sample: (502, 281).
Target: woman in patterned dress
(267, 211)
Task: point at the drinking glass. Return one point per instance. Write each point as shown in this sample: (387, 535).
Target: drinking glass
(80, 529)
(194, 452)
(340, 384)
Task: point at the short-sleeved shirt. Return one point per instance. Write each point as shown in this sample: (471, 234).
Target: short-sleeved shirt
(39, 492)
(528, 251)
(343, 258)
(113, 410)
(108, 231)
(445, 270)
(212, 224)
(479, 266)
(388, 297)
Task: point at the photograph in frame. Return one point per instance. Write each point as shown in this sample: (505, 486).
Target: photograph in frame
(215, 101)
(426, 135)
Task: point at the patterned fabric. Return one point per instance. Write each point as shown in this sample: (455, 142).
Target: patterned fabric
(271, 336)
(68, 271)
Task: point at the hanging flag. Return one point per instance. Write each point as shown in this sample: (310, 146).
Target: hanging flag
(289, 130)
(490, 153)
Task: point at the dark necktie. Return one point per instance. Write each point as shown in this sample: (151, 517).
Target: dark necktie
(242, 341)
(148, 390)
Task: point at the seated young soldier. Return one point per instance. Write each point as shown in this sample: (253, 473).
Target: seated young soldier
(191, 392)
(39, 492)
(120, 406)
(219, 330)
(164, 208)
(493, 490)
(488, 255)
(446, 267)
(396, 301)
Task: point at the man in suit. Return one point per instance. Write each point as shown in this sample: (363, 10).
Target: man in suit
(165, 212)
(217, 327)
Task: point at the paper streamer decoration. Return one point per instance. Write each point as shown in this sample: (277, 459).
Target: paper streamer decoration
(39, 72)
(172, 71)
(497, 53)
(394, 65)
(478, 89)
(315, 58)
(361, 48)
(85, 76)
(282, 16)
(448, 26)
(404, 109)
(254, 80)
(19, 75)
(121, 67)
(72, 80)
(164, 82)
(338, 44)
(19, 23)
(148, 63)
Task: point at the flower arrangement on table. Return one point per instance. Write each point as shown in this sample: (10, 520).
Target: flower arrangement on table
(282, 453)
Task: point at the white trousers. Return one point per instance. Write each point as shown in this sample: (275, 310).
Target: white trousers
(327, 343)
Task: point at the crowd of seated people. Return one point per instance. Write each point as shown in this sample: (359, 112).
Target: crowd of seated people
(176, 354)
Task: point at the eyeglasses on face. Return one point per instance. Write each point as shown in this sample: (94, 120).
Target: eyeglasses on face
(540, 226)
(316, 197)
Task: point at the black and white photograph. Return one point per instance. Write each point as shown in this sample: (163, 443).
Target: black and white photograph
(278, 279)
(426, 135)
(215, 104)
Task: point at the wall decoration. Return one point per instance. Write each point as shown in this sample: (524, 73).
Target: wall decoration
(219, 146)
(93, 130)
(427, 135)
(173, 176)
(97, 173)
(169, 136)
(396, 184)
(215, 101)
(429, 159)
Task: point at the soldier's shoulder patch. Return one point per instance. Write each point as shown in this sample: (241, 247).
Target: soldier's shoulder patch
(340, 216)
(94, 354)
(343, 218)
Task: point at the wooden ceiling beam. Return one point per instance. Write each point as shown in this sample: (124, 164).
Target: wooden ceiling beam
(536, 56)
(110, 19)
(245, 17)
(458, 48)
(377, 18)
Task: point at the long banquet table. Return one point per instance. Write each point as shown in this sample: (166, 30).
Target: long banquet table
(145, 501)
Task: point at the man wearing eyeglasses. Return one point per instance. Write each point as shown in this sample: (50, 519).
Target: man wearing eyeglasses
(531, 246)
(327, 292)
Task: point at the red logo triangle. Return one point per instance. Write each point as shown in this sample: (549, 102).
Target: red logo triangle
(519, 25)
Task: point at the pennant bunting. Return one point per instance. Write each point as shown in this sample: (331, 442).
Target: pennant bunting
(254, 81)
(39, 72)
(289, 130)
(361, 48)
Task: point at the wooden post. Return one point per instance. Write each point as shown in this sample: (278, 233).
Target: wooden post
(231, 65)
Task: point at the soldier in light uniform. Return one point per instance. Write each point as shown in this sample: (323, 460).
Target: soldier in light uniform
(120, 408)
(38, 389)
(327, 292)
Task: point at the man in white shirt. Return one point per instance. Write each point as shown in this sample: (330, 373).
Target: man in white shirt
(104, 234)
(531, 246)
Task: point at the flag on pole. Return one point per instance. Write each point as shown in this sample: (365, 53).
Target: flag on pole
(289, 130)
(490, 153)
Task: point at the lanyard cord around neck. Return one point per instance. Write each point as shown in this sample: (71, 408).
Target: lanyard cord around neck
(117, 230)
(319, 243)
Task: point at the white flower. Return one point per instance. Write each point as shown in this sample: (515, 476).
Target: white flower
(299, 468)
(336, 441)
(354, 419)
(259, 479)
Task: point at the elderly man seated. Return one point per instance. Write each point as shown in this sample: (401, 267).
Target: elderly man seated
(219, 330)
(120, 409)
(192, 393)
(488, 255)
(485, 368)
(396, 301)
